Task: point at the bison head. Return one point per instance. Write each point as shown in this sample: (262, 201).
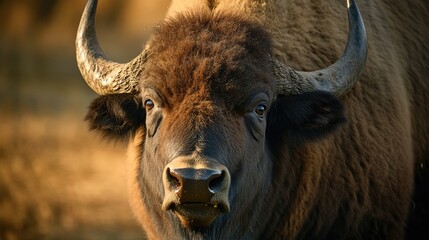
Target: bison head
(206, 107)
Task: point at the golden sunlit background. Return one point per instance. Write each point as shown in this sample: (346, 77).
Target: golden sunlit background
(57, 180)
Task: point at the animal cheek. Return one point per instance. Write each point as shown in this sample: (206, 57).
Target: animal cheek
(153, 122)
(255, 126)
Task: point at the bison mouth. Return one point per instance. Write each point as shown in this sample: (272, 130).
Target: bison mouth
(196, 190)
(198, 215)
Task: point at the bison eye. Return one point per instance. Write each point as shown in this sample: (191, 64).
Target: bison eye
(260, 110)
(148, 104)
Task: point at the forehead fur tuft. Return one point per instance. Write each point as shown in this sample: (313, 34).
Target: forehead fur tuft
(213, 53)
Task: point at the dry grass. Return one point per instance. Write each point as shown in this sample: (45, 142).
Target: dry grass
(57, 181)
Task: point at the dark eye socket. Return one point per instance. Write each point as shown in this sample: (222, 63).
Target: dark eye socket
(149, 104)
(261, 109)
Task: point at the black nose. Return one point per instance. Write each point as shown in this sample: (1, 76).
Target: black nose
(196, 190)
(195, 185)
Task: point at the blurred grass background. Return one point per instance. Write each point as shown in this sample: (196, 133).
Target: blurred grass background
(57, 180)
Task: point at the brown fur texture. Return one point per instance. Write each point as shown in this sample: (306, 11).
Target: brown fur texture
(216, 53)
(207, 64)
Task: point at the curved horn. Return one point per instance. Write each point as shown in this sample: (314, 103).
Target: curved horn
(340, 76)
(102, 75)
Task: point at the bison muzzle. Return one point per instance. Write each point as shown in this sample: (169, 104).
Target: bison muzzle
(196, 189)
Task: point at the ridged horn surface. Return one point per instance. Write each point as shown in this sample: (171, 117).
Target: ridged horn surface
(338, 78)
(104, 76)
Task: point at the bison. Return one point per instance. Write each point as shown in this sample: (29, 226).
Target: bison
(228, 141)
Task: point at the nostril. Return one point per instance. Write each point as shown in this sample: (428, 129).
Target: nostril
(174, 182)
(215, 184)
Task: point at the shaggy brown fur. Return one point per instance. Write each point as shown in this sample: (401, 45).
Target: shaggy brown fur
(203, 73)
(218, 54)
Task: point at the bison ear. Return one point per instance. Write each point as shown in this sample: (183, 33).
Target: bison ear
(306, 116)
(116, 116)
